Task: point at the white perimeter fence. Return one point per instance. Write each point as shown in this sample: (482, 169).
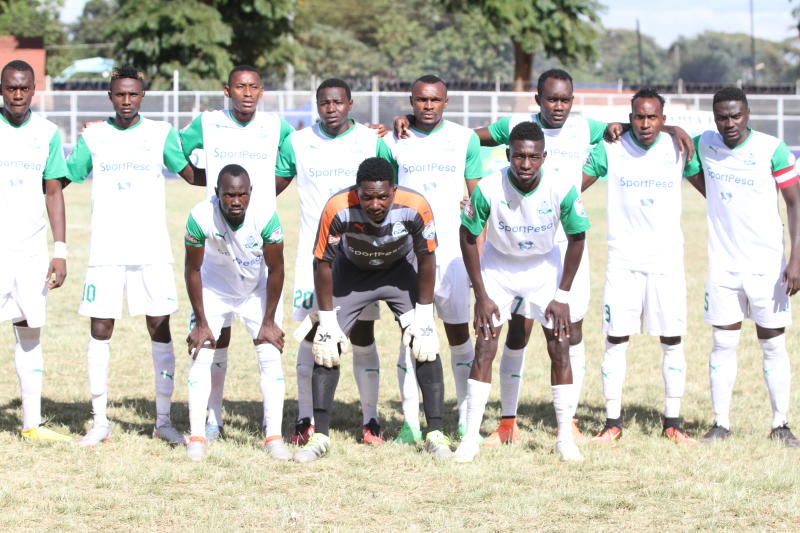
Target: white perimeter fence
(778, 115)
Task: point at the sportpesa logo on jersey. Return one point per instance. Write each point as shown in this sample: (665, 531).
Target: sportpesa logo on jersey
(126, 166)
(25, 165)
(427, 167)
(502, 226)
(239, 154)
(329, 172)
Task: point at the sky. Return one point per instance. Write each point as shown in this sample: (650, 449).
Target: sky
(665, 20)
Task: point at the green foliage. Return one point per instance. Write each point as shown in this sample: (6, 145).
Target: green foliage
(36, 18)
(91, 26)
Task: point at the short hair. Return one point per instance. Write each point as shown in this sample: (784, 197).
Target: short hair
(553, 73)
(18, 65)
(233, 170)
(242, 68)
(125, 72)
(374, 169)
(334, 82)
(526, 131)
(648, 92)
(728, 94)
(429, 79)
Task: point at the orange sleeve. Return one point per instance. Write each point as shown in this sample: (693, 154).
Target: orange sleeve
(333, 207)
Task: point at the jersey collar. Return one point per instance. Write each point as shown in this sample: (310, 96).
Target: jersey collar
(110, 122)
(242, 124)
(640, 145)
(741, 144)
(525, 194)
(30, 114)
(352, 123)
(434, 130)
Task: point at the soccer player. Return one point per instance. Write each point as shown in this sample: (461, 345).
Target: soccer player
(228, 249)
(30, 152)
(521, 270)
(376, 241)
(239, 135)
(436, 160)
(126, 155)
(748, 276)
(324, 157)
(644, 275)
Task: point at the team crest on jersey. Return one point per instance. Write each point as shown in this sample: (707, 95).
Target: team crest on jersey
(525, 245)
(749, 160)
(251, 242)
(726, 197)
(376, 262)
(469, 211)
(429, 231)
(544, 208)
(713, 149)
(577, 207)
(399, 229)
(334, 239)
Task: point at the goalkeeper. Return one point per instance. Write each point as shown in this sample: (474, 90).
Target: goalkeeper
(375, 242)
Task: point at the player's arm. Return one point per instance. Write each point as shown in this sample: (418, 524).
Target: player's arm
(200, 336)
(176, 161)
(55, 172)
(191, 139)
(273, 258)
(791, 276)
(285, 166)
(426, 276)
(495, 133)
(693, 171)
(615, 130)
(595, 167)
(401, 125)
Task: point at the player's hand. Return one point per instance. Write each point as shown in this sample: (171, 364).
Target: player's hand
(559, 314)
(486, 311)
(272, 334)
(329, 340)
(421, 335)
(380, 129)
(684, 140)
(57, 273)
(401, 127)
(200, 337)
(614, 131)
(791, 277)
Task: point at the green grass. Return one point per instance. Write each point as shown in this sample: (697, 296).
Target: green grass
(643, 483)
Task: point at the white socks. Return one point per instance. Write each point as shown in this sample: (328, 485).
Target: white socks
(97, 357)
(30, 367)
(722, 373)
(613, 370)
(219, 368)
(164, 371)
(477, 396)
(577, 360)
(562, 402)
(673, 369)
(305, 368)
(366, 370)
(409, 390)
(273, 387)
(511, 364)
(461, 357)
(777, 374)
(199, 382)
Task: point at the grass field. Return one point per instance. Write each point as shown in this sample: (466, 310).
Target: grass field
(135, 483)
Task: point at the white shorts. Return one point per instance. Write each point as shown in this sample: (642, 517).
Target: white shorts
(659, 298)
(731, 297)
(451, 294)
(522, 287)
(579, 293)
(23, 289)
(221, 310)
(150, 290)
(304, 299)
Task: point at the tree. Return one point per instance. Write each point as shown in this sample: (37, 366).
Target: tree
(91, 26)
(36, 18)
(560, 28)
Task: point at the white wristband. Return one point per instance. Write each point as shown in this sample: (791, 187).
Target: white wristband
(423, 311)
(327, 319)
(59, 250)
(561, 296)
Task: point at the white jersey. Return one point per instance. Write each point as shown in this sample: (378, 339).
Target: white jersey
(745, 232)
(523, 224)
(233, 262)
(28, 154)
(435, 164)
(129, 223)
(254, 146)
(644, 202)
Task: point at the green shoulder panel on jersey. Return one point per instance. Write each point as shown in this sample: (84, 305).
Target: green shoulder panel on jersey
(573, 215)
(596, 130)
(174, 159)
(694, 165)
(476, 212)
(80, 162)
(597, 162)
(56, 166)
(286, 165)
(782, 158)
(499, 130)
(473, 169)
(195, 236)
(272, 232)
(192, 136)
(383, 151)
(286, 130)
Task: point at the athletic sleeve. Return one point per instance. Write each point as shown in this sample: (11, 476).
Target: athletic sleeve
(272, 232)
(499, 130)
(286, 130)
(329, 233)
(174, 159)
(693, 165)
(192, 136)
(596, 130)
(782, 163)
(476, 212)
(597, 162)
(383, 151)
(286, 167)
(56, 166)
(195, 236)
(423, 228)
(80, 162)
(573, 215)
(473, 170)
